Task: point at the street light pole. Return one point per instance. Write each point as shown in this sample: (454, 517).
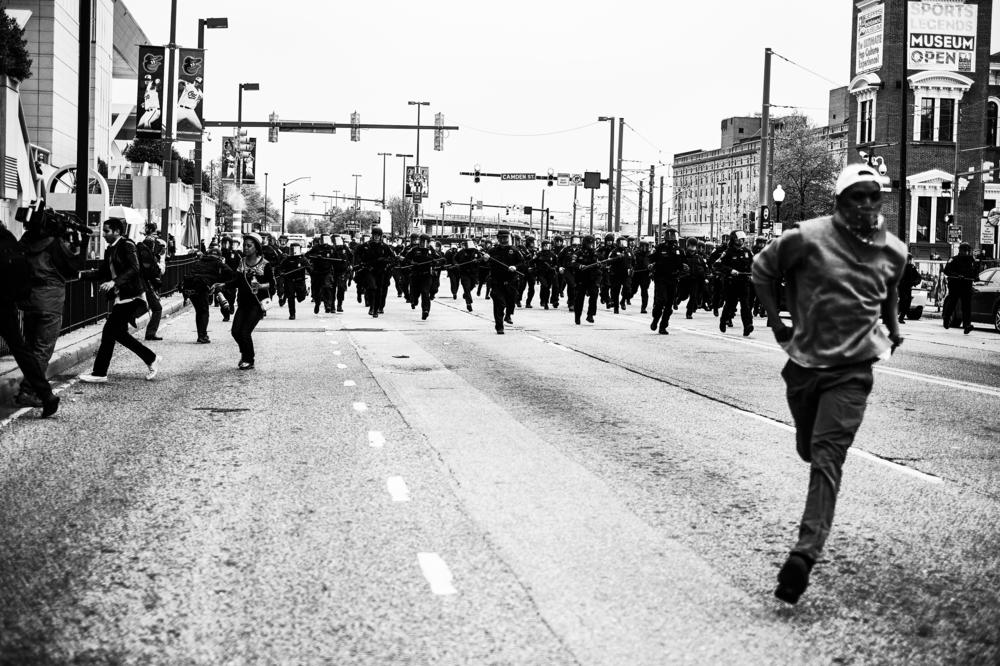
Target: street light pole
(168, 144)
(356, 202)
(239, 145)
(284, 198)
(611, 170)
(265, 202)
(384, 156)
(210, 23)
(416, 207)
(83, 114)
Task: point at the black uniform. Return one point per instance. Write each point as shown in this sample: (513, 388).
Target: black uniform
(586, 281)
(641, 276)
(377, 258)
(961, 271)
(468, 262)
(232, 258)
(504, 281)
(735, 264)
(454, 276)
(695, 282)
(566, 276)
(618, 263)
(668, 265)
(528, 252)
(911, 278)
(421, 262)
(320, 259)
(293, 271)
(342, 260)
(545, 266)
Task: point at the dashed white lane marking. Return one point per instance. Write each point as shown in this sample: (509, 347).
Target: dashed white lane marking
(903, 469)
(376, 439)
(341, 366)
(397, 489)
(360, 407)
(436, 572)
(336, 352)
(334, 342)
(349, 383)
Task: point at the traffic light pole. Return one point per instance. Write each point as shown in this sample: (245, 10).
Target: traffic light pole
(618, 183)
(652, 184)
(168, 144)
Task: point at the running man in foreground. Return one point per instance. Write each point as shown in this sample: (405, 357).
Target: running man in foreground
(841, 274)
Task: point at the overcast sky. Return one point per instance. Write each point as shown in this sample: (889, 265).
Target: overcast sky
(525, 81)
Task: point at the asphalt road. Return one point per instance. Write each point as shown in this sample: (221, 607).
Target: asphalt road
(394, 490)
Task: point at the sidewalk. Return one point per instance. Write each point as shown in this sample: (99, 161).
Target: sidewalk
(73, 348)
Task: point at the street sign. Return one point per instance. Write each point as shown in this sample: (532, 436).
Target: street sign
(517, 176)
(417, 198)
(577, 179)
(987, 234)
(954, 233)
(563, 179)
(479, 205)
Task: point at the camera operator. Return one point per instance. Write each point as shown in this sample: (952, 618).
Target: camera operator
(15, 283)
(52, 243)
(151, 251)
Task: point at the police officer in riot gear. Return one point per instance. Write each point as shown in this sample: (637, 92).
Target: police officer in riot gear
(668, 265)
(735, 264)
(505, 262)
(640, 274)
(467, 262)
(587, 279)
(377, 258)
(543, 265)
(420, 263)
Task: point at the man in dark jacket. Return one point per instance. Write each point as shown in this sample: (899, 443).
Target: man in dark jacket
(232, 257)
(293, 271)
(420, 263)
(54, 261)
(543, 266)
(121, 283)
(342, 261)
(10, 332)
(641, 275)
(505, 262)
(377, 259)
(199, 283)
(961, 271)
(586, 279)
(735, 263)
(151, 249)
(911, 278)
(668, 265)
(694, 283)
(467, 262)
(320, 257)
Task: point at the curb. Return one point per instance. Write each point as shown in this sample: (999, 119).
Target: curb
(75, 353)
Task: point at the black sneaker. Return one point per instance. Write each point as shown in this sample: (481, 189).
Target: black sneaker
(50, 406)
(508, 320)
(663, 331)
(499, 331)
(653, 325)
(468, 306)
(590, 319)
(747, 330)
(793, 579)
(425, 314)
(722, 325)
(27, 400)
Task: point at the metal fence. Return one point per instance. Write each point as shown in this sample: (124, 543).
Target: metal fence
(85, 305)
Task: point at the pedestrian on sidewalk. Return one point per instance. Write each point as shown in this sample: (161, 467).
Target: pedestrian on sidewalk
(911, 279)
(842, 273)
(253, 283)
(122, 284)
(151, 266)
(12, 288)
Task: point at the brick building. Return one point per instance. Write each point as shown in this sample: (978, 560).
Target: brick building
(947, 85)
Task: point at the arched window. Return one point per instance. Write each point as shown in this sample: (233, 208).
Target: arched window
(992, 115)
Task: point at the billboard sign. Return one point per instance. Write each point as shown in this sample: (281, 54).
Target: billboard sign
(249, 164)
(418, 183)
(190, 91)
(148, 108)
(941, 36)
(871, 30)
(230, 146)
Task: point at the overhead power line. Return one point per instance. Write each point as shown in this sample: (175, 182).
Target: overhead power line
(803, 67)
(562, 131)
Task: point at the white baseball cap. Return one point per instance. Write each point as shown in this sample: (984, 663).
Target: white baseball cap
(857, 173)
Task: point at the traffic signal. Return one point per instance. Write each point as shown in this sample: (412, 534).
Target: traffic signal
(592, 180)
(439, 133)
(355, 130)
(476, 179)
(551, 178)
(272, 132)
(244, 143)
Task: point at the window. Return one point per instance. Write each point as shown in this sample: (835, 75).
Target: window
(991, 123)
(927, 119)
(923, 219)
(946, 120)
(941, 223)
(866, 127)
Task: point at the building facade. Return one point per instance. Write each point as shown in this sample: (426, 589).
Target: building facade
(938, 76)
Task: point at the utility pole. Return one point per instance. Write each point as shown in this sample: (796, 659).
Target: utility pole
(903, 138)
(592, 207)
(661, 205)
(384, 156)
(542, 220)
(765, 127)
(652, 184)
(573, 228)
(618, 185)
(168, 144)
(638, 224)
(611, 170)
(83, 114)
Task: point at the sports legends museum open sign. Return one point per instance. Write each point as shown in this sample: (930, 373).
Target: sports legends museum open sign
(942, 36)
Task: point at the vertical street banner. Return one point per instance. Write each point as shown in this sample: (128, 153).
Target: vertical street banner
(148, 108)
(871, 29)
(190, 91)
(229, 161)
(941, 36)
(418, 183)
(249, 164)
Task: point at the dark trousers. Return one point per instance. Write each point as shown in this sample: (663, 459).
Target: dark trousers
(339, 288)
(568, 279)
(455, 280)
(959, 292)
(294, 291)
(34, 376)
(738, 292)
(828, 406)
(504, 298)
(322, 290)
(905, 299)
(664, 293)
(201, 301)
(585, 289)
(376, 287)
(420, 290)
(155, 312)
(616, 291)
(530, 282)
(640, 283)
(244, 321)
(695, 293)
(468, 284)
(116, 331)
(546, 291)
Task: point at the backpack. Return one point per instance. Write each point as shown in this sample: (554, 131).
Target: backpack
(149, 267)
(15, 270)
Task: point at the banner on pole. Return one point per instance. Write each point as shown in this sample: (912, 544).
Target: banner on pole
(148, 108)
(418, 183)
(229, 161)
(249, 164)
(190, 92)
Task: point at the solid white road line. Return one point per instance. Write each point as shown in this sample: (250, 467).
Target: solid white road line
(349, 383)
(436, 572)
(376, 439)
(360, 407)
(397, 489)
(341, 366)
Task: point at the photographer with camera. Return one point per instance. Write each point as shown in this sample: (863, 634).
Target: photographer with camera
(150, 252)
(123, 286)
(15, 283)
(53, 245)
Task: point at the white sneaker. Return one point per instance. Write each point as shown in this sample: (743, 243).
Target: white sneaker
(94, 379)
(154, 368)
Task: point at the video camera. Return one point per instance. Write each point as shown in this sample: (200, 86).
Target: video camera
(49, 222)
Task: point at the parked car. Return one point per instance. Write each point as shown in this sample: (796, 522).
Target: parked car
(986, 298)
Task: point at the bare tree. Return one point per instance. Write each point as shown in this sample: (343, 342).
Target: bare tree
(402, 215)
(805, 168)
